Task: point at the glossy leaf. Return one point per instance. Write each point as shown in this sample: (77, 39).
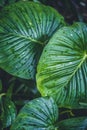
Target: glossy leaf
(8, 112)
(25, 27)
(62, 69)
(79, 123)
(38, 114)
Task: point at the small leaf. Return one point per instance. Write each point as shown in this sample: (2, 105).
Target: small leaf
(38, 114)
(8, 112)
(25, 28)
(79, 123)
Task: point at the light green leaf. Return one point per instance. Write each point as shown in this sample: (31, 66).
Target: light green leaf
(62, 69)
(8, 112)
(25, 28)
(38, 114)
(79, 123)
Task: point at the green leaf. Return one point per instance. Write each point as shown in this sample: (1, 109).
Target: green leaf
(25, 28)
(79, 123)
(62, 69)
(38, 114)
(8, 112)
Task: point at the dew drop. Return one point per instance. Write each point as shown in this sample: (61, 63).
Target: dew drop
(9, 106)
(16, 67)
(23, 53)
(38, 100)
(70, 63)
(71, 35)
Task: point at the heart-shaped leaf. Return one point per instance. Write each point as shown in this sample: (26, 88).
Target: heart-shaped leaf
(38, 114)
(62, 69)
(79, 123)
(25, 27)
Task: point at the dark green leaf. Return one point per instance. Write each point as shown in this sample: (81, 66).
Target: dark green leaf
(62, 69)
(25, 27)
(79, 123)
(8, 112)
(38, 114)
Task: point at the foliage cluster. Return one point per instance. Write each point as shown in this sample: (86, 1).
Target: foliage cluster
(43, 67)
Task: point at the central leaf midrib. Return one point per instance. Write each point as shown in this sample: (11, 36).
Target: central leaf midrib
(83, 59)
(27, 37)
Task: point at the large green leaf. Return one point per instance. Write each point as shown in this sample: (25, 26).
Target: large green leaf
(79, 123)
(8, 112)
(25, 27)
(62, 69)
(38, 114)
